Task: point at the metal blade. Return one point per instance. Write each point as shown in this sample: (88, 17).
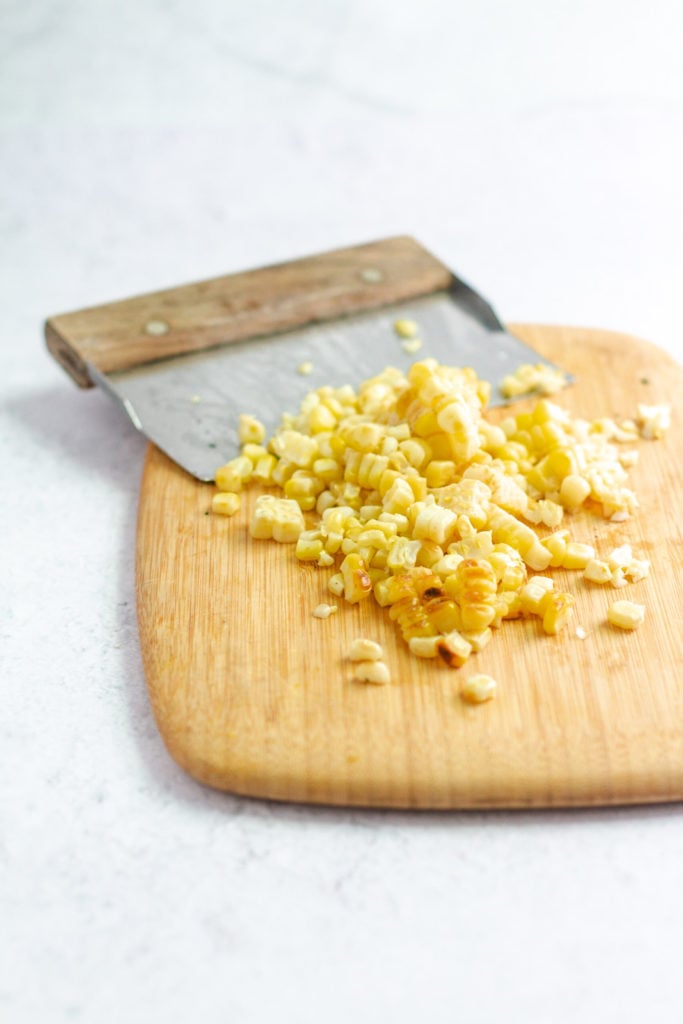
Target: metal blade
(188, 405)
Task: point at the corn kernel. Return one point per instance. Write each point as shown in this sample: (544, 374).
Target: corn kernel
(323, 610)
(454, 649)
(279, 518)
(225, 503)
(250, 430)
(626, 614)
(424, 646)
(376, 672)
(362, 649)
(357, 583)
(478, 688)
(405, 328)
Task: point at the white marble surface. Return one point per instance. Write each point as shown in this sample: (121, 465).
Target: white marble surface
(538, 148)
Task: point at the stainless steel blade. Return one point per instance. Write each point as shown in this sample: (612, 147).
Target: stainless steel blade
(188, 405)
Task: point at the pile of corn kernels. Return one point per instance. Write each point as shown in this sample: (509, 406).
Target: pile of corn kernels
(452, 523)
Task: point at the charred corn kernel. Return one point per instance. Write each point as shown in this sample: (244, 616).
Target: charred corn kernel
(250, 430)
(411, 618)
(233, 475)
(626, 614)
(376, 672)
(295, 447)
(535, 593)
(279, 518)
(577, 556)
(225, 503)
(479, 688)
(362, 649)
(574, 490)
(434, 523)
(323, 610)
(473, 585)
(424, 646)
(454, 649)
(357, 582)
(405, 328)
(309, 546)
(597, 571)
(557, 609)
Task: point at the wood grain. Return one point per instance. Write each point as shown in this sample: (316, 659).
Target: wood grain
(254, 695)
(116, 336)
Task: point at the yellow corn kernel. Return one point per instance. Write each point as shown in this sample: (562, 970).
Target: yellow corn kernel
(558, 608)
(626, 614)
(577, 556)
(233, 475)
(362, 649)
(376, 672)
(574, 490)
(357, 582)
(535, 593)
(411, 618)
(250, 430)
(424, 646)
(303, 488)
(253, 451)
(399, 496)
(434, 523)
(474, 586)
(294, 447)
(416, 451)
(454, 649)
(556, 545)
(403, 554)
(281, 472)
(279, 518)
(653, 420)
(439, 472)
(429, 553)
(225, 503)
(405, 328)
(478, 640)
(263, 469)
(597, 571)
(309, 546)
(320, 419)
(478, 688)
(335, 584)
(506, 529)
(327, 469)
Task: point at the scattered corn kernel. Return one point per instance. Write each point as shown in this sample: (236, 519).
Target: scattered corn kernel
(279, 518)
(365, 650)
(405, 328)
(376, 672)
(478, 688)
(305, 368)
(323, 611)
(225, 503)
(250, 430)
(411, 345)
(626, 614)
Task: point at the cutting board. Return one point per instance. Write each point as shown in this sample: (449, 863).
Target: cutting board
(254, 695)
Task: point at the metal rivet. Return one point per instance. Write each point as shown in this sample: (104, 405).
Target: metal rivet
(156, 328)
(371, 275)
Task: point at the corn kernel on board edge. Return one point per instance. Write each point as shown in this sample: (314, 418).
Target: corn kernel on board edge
(253, 694)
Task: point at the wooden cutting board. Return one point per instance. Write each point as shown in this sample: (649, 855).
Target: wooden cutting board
(254, 695)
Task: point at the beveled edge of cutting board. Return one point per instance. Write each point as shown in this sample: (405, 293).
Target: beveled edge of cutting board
(288, 775)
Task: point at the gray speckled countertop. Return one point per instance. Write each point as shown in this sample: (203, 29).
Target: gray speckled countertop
(538, 149)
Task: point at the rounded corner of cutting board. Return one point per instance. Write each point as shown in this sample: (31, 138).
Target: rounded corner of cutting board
(252, 695)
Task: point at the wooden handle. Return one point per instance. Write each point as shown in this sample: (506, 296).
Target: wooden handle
(120, 335)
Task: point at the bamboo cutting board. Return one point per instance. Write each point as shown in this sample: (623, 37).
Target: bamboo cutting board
(254, 695)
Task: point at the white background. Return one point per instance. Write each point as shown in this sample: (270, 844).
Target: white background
(537, 147)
